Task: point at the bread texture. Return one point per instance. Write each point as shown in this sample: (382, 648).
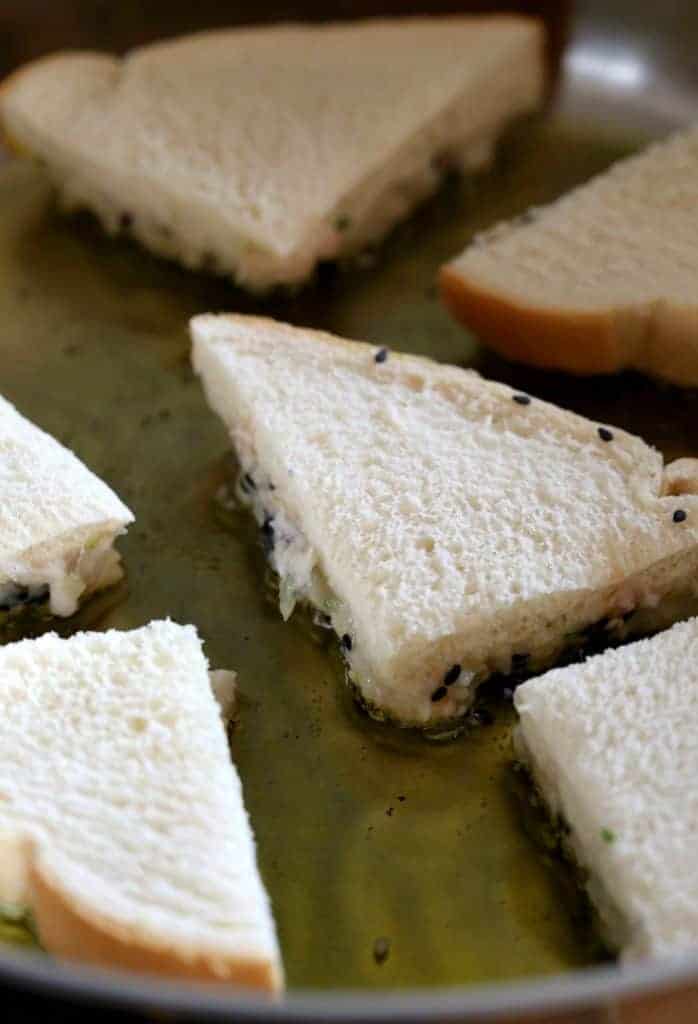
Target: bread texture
(612, 745)
(600, 281)
(122, 824)
(447, 527)
(257, 152)
(58, 521)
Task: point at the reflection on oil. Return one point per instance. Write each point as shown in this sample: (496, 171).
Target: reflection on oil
(614, 67)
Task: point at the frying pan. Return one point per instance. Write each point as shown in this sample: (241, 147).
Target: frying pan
(95, 350)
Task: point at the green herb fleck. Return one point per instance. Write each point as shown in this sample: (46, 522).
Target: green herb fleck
(342, 222)
(607, 835)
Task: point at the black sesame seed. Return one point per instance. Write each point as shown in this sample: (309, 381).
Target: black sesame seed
(126, 221)
(247, 484)
(267, 531)
(452, 675)
(381, 355)
(22, 596)
(605, 434)
(325, 619)
(522, 399)
(679, 516)
(439, 693)
(346, 642)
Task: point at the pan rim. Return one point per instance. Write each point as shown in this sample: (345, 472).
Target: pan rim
(572, 990)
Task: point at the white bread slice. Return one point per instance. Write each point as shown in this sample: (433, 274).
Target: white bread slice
(58, 521)
(602, 280)
(122, 815)
(447, 529)
(613, 747)
(259, 151)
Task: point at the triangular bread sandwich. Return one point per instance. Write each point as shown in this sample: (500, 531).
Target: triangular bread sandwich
(612, 745)
(122, 825)
(257, 152)
(602, 280)
(447, 526)
(58, 523)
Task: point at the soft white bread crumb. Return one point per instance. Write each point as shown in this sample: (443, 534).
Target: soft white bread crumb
(438, 521)
(259, 151)
(603, 279)
(58, 521)
(613, 746)
(122, 815)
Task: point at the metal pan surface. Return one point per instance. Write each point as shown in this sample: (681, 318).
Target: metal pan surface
(405, 884)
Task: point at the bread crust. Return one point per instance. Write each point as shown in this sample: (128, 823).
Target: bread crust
(579, 342)
(8, 84)
(74, 932)
(6, 87)
(670, 349)
(654, 338)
